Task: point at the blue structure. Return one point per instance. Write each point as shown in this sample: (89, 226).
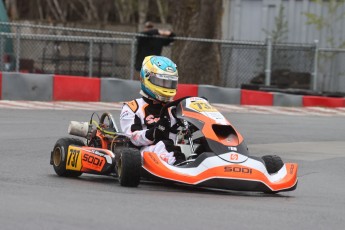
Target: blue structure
(6, 50)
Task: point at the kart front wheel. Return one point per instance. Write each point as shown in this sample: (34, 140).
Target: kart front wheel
(128, 166)
(59, 156)
(273, 163)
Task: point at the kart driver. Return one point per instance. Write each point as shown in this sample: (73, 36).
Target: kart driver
(140, 118)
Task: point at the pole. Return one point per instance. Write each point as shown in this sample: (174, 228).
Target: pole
(316, 62)
(90, 58)
(133, 53)
(268, 62)
(18, 48)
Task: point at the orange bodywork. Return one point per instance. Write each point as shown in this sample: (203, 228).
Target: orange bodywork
(104, 141)
(208, 131)
(85, 159)
(153, 164)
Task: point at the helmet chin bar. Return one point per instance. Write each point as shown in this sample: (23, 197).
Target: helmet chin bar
(165, 99)
(159, 98)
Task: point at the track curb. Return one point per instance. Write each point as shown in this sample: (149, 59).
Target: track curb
(46, 87)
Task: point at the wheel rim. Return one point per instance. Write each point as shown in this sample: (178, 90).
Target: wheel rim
(57, 156)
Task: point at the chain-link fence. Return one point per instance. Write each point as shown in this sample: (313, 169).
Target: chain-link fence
(69, 55)
(242, 63)
(331, 70)
(95, 53)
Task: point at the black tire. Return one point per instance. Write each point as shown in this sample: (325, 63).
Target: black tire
(59, 156)
(128, 166)
(273, 163)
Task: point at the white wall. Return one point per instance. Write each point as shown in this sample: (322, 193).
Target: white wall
(246, 20)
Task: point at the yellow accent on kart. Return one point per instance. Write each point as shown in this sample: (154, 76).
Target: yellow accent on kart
(202, 106)
(73, 160)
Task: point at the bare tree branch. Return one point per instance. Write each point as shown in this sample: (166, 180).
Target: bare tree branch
(162, 14)
(93, 11)
(59, 11)
(52, 9)
(40, 9)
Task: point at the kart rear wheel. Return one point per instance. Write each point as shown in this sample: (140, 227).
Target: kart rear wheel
(273, 163)
(59, 156)
(128, 166)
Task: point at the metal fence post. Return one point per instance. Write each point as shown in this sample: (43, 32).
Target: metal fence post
(316, 63)
(268, 62)
(18, 34)
(90, 58)
(133, 53)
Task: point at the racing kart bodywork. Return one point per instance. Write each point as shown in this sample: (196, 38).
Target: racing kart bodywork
(217, 156)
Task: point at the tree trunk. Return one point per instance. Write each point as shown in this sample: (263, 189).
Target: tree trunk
(198, 62)
(143, 7)
(12, 8)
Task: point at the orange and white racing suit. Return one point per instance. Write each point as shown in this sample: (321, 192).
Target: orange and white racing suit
(140, 115)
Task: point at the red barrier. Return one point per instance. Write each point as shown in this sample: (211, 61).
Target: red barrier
(0, 85)
(323, 101)
(67, 88)
(251, 97)
(184, 90)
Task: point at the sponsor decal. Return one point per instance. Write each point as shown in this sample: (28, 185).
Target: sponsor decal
(73, 159)
(150, 119)
(234, 156)
(237, 169)
(124, 114)
(135, 136)
(93, 162)
(169, 69)
(202, 106)
(153, 158)
(164, 157)
(292, 167)
(232, 148)
(96, 152)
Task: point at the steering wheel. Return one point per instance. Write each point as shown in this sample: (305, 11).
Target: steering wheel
(164, 110)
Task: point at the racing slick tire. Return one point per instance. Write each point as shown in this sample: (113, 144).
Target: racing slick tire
(128, 166)
(273, 163)
(59, 156)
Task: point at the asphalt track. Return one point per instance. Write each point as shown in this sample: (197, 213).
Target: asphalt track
(33, 197)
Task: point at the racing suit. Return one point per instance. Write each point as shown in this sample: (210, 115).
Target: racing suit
(138, 118)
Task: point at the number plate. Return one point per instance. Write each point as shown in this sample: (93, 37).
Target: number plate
(73, 159)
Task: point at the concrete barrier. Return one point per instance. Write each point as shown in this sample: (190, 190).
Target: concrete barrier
(282, 99)
(46, 87)
(67, 88)
(222, 95)
(251, 97)
(184, 90)
(323, 101)
(31, 87)
(113, 89)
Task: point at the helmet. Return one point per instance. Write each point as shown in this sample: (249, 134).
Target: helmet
(159, 78)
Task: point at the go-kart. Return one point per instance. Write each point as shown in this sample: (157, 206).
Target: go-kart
(216, 154)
